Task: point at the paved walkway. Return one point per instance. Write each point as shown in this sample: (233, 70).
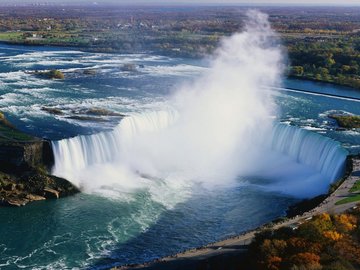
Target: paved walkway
(239, 243)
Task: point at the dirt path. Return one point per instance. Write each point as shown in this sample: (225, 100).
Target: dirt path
(189, 258)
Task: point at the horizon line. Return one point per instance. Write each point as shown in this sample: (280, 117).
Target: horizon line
(182, 4)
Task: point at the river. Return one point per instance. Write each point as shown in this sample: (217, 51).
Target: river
(94, 230)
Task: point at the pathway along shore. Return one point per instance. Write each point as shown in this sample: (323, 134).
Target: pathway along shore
(216, 255)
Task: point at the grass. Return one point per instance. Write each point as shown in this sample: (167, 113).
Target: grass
(13, 134)
(356, 187)
(6, 36)
(8, 132)
(350, 199)
(58, 37)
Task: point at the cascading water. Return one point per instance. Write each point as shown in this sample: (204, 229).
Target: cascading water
(217, 128)
(323, 154)
(82, 151)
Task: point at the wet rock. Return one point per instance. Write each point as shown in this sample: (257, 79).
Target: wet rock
(90, 72)
(128, 67)
(50, 74)
(32, 197)
(87, 118)
(10, 187)
(55, 111)
(101, 112)
(34, 186)
(51, 193)
(17, 202)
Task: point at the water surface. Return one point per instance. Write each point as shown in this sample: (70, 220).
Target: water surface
(91, 231)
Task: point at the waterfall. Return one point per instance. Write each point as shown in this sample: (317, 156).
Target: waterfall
(218, 128)
(323, 154)
(80, 152)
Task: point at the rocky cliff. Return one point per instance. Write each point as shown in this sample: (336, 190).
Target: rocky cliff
(25, 162)
(15, 156)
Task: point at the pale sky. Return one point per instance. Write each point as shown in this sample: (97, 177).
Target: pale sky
(219, 2)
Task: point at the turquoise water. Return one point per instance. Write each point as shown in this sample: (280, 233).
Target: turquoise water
(86, 231)
(90, 231)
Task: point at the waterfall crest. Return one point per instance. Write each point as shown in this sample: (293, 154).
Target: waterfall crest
(322, 154)
(105, 147)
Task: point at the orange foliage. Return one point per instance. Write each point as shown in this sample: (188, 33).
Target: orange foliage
(333, 235)
(325, 217)
(301, 245)
(273, 263)
(306, 259)
(345, 222)
(325, 238)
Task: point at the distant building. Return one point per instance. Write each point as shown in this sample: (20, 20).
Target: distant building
(35, 37)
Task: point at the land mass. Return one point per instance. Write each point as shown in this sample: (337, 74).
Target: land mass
(25, 162)
(347, 121)
(323, 43)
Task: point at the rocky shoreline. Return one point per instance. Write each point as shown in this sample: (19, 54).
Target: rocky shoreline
(32, 185)
(25, 164)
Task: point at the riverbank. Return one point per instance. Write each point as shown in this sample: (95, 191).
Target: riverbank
(230, 251)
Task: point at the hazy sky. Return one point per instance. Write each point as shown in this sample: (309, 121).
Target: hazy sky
(312, 2)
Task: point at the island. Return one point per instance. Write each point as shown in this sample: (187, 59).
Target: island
(51, 74)
(346, 121)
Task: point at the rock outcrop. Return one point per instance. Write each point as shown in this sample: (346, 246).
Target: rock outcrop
(346, 121)
(50, 74)
(34, 185)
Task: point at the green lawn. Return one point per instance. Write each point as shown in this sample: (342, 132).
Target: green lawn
(356, 187)
(10, 35)
(9, 133)
(13, 134)
(350, 199)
